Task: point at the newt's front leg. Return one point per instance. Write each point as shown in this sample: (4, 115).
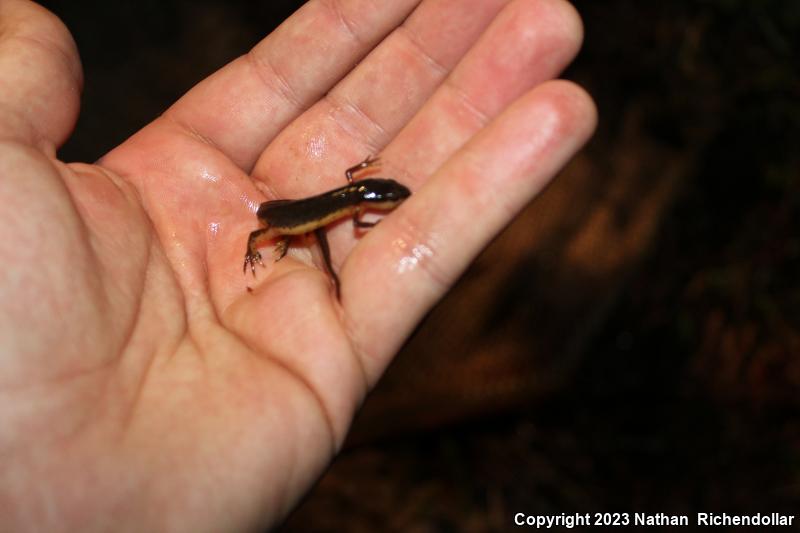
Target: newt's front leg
(322, 239)
(368, 162)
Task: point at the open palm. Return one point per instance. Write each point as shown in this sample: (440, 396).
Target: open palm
(141, 383)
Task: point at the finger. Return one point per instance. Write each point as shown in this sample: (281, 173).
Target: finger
(409, 260)
(241, 107)
(40, 76)
(527, 44)
(362, 113)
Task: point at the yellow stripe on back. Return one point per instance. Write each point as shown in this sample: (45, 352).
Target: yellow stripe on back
(311, 225)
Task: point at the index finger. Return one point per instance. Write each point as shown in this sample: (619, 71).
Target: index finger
(241, 107)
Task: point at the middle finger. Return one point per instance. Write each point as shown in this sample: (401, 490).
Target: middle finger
(367, 108)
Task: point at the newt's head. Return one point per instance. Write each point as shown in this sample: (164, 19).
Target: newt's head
(381, 193)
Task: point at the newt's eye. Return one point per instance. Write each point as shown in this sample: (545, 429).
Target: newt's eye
(371, 196)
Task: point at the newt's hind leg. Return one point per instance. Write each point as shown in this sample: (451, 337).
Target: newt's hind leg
(368, 162)
(281, 248)
(253, 256)
(256, 240)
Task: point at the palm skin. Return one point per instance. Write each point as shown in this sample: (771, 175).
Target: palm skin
(143, 386)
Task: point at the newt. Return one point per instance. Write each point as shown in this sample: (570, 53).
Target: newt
(283, 219)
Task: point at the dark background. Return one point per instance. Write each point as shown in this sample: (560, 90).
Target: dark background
(631, 343)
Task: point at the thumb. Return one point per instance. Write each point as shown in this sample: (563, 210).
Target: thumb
(40, 76)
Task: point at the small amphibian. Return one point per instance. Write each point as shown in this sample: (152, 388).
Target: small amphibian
(284, 218)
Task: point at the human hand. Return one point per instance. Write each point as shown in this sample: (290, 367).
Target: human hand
(143, 387)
